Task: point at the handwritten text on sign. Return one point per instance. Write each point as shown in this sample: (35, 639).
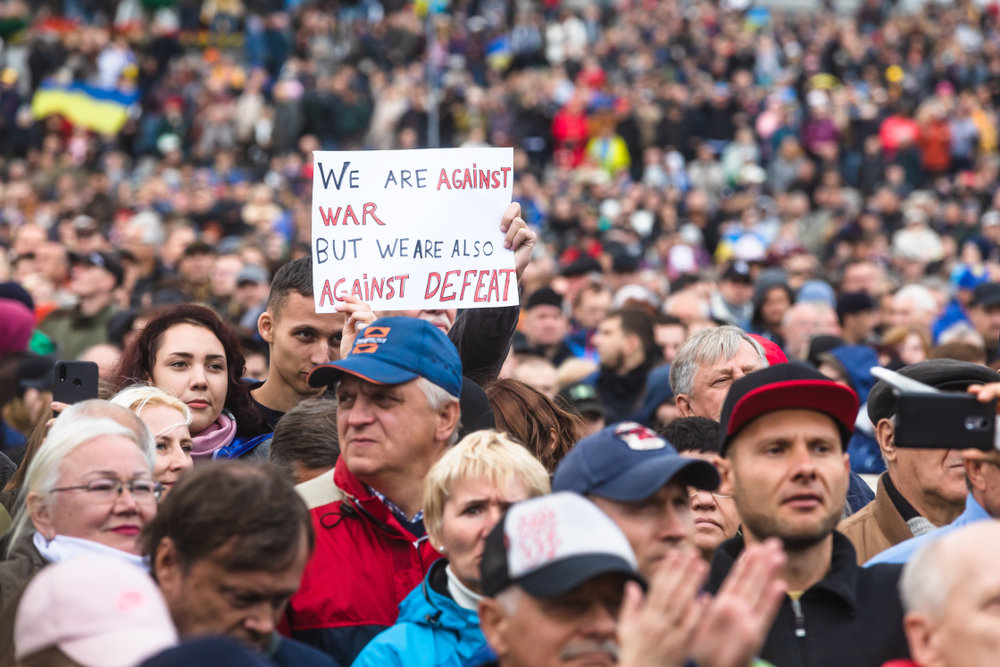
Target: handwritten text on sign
(412, 229)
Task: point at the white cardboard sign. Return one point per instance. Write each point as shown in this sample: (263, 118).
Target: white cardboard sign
(412, 229)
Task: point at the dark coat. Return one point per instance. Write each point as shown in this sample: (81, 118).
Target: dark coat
(853, 616)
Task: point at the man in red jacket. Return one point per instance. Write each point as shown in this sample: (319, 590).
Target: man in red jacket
(397, 411)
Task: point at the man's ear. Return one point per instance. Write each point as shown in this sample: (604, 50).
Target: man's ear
(166, 568)
(974, 472)
(265, 327)
(683, 404)
(725, 481)
(493, 623)
(920, 635)
(40, 514)
(725, 468)
(447, 421)
(885, 434)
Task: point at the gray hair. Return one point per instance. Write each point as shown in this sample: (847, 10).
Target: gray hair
(438, 398)
(930, 576)
(961, 332)
(919, 296)
(705, 347)
(151, 226)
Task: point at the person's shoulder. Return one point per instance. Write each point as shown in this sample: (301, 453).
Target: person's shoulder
(390, 646)
(899, 554)
(856, 520)
(292, 653)
(876, 572)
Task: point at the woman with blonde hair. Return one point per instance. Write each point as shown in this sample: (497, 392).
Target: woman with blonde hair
(168, 420)
(465, 494)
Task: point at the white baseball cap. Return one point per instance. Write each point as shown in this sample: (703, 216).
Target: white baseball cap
(551, 544)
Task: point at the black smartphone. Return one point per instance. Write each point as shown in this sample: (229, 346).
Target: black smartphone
(74, 381)
(945, 421)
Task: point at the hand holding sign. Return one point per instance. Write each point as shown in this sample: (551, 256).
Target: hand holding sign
(518, 237)
(359, 315)
(414, 229)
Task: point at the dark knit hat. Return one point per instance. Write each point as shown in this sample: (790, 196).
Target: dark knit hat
(544, 296)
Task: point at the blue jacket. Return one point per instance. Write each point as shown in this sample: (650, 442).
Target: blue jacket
(432, 629)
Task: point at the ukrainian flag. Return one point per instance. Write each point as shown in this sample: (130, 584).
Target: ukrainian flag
(99, 109)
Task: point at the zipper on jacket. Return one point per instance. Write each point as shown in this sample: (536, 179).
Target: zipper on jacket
(800, 619)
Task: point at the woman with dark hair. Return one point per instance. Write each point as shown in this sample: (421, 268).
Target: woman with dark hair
(534, 420)
(188, 351)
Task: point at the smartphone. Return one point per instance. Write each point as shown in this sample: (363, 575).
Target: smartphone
(945, 421)
(74, 381)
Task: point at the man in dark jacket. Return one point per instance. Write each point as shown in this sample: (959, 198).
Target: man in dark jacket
(227, 548)
(95, 277)
(624, 342)
(789, 475)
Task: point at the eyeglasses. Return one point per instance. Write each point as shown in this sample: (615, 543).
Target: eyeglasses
(109, 490)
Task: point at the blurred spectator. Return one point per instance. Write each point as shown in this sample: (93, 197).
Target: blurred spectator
(95, 277)
(544, 328)
(306, 447)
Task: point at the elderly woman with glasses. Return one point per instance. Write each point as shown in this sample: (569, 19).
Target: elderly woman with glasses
(465, 494)
(89, 490)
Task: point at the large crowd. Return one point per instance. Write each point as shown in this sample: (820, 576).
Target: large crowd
(673, 452)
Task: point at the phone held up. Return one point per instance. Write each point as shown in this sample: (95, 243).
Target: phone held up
(74, 381)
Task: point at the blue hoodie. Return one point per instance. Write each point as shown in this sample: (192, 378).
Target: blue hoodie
(866, 456)
(431, 630)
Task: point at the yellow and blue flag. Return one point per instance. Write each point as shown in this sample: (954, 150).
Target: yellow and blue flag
(102, 110)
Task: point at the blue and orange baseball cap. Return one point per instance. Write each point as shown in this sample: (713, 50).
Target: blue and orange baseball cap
(394, 350)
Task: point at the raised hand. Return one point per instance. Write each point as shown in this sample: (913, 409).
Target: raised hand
(735, 626)
(517, 237)
(359, 315)
(658, 629)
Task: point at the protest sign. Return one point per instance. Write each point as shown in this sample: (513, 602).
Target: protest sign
(412, 229)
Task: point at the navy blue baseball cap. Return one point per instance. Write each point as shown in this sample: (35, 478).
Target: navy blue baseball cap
(394, 350)
(628, 462)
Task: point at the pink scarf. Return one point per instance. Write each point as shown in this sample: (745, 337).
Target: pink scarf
(220, 433)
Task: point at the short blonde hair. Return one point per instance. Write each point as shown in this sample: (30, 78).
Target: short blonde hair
(484, 454)
(140, 396)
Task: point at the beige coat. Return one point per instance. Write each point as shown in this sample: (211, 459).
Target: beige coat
(875, 527)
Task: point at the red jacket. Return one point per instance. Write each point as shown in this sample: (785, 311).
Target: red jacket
(363, 566)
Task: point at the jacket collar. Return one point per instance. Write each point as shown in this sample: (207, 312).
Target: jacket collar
(888, 517)
(357, 495)
(840, 580)
(443, 612)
